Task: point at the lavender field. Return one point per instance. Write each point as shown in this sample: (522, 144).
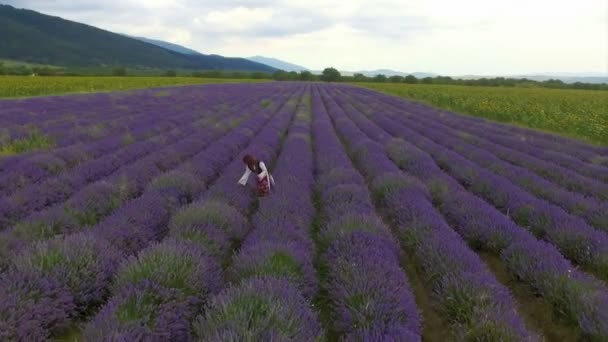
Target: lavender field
(390, 221)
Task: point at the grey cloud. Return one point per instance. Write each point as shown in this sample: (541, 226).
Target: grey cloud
(387, 19)
(286, 21)
(67, 6)
(384, 18)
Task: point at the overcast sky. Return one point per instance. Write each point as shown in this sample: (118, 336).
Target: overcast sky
(441, 36)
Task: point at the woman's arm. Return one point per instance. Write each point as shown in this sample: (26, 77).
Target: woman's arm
(264, 172)
(245, 176)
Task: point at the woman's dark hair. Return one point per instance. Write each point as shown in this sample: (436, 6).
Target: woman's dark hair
(249, 160)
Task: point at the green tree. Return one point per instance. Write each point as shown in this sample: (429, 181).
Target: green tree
(306, 75)
(359, 77)
(427, 80)
(396, 79)
(380, 78)
(213, 74)
(119, 71)
(330, 75)
(260, 75)
(411, 79)
(280, 75)
(170, 73)
(443, 80)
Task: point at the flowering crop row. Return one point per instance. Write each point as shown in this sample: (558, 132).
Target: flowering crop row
(467, 292)
(575, 238)
(578, 297)
(367, 292)
(139, 230)
(188, 263)
(82, 268)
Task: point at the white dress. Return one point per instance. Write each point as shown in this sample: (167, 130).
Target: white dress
(262, 174)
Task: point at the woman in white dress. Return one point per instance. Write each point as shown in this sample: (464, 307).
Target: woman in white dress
(264, 178)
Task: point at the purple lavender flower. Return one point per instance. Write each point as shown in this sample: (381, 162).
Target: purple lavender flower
(339, 176)
(181, 186)
(259, 309)
(31, 171)
(32, 307)
(212, 241)
(342, 199)
(174, 264)
(94, 202)
(215, 213)
(287, 260)
(281, 233)
(342, 227)
(137, 223)
(145, 311)
(82, 263)
(380, 332)
(366, 286)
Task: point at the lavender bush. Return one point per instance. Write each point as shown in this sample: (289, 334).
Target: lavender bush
(259, 309)
(131, 225)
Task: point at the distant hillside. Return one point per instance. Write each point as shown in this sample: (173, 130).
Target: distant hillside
(389, 73)
(385, 72)
(566, 77)
(32, 37)
(276, 63)
(169, 46)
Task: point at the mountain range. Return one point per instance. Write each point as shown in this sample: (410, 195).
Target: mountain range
(278, 64)
(594, 78)
(388, 73)
(169, 46)
(29, 36)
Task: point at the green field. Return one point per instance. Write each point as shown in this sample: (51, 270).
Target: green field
(581, 114)
(25, 86)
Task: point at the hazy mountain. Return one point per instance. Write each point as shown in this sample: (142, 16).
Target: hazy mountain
(594, 78)
(169, 46)
(389, 73)
(385, 72)
(278, 64)
(29, 36)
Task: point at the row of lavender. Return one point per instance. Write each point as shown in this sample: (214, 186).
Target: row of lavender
(587, 175)
(561, 149)
(82, 267)
(594, 211)
(367, 294)
(204, 234)
(92, 202)
(128, 169)
(65, 118)
(71, 120)
(187, 254)
(476, 304)
(120, 175)
(575, 238)
(581, 299)
(271, 276)
(26, 169)
(216, 223)
(60, 187)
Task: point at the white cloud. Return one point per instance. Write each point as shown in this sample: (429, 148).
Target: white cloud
(449, 37)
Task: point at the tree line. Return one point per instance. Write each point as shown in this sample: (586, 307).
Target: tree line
(333, 75)
(328, 75)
